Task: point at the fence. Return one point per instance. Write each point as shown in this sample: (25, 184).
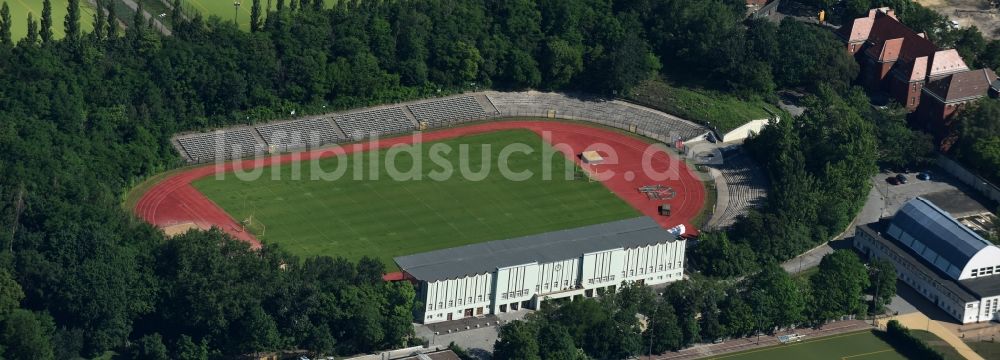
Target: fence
(969, 178)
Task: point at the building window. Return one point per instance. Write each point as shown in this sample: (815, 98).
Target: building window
(440, 305)
(430, 307)
(460, 301)
(589, 281)
(470, 299)
(913, 100)
(565, 282)
(538, 288)
(480, 298)
(975, 272)
(451, 303)
(546, 286)
(503, 296)
(661, 267)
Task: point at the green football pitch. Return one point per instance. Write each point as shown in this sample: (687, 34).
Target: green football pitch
(386, 218)
(862, 345)
(19, 10)
(226, 10)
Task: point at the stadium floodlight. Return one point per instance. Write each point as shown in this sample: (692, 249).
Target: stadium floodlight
(236, 15)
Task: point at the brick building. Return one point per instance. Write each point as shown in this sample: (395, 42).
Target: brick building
(929, 81)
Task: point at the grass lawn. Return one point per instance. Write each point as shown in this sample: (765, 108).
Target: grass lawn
(725, 112)
(387, 218)
(19, 10)
(937, 344)
(225, 10)
(862, 345)
(986, 349)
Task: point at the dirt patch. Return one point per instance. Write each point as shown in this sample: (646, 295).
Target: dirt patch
(968, 13)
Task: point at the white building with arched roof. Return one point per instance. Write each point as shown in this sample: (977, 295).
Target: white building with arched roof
(946, 262)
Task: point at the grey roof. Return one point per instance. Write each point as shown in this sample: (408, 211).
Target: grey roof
(542, 248)
(907, 254)
(984, 286)
(938, 230)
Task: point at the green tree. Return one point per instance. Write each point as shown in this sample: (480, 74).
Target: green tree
(561, 61)
(255, 16)
(187, 349)
(151, 347)
(775, 299)
(32, 36)
(555, 343)
(662, 332)
(517, 340)
(46, 32)
(883, 283)
(899, 146)
(5, 24)
(10, 294)
(978, 145)
(176, 17)
(26, 337)
(72, 22)
(838, 286)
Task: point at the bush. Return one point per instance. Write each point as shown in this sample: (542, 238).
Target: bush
(906, 344)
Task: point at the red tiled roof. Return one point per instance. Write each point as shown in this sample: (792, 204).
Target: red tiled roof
(913, 46)
(946, 61)
(858, 31)
(918, 70)
(963, 85)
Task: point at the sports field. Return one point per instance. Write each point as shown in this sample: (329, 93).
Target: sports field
(225, 9)
(19, 10)
(862, 345)
(386, 218)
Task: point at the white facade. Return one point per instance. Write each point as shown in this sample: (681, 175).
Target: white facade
(946, 293)
(515, 287)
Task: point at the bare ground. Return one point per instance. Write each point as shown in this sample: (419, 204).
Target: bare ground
(968, 13)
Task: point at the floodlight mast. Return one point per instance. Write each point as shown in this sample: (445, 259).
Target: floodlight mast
(236, 14)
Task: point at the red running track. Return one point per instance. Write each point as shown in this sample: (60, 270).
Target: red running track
(174, 201)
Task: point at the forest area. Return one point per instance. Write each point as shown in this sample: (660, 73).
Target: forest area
(85, 117)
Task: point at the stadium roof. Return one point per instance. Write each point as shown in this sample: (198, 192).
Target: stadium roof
(552, 246)
(939, 232)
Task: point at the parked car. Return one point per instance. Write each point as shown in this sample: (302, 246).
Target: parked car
(925, 176)
(892, 180)
(901, 178)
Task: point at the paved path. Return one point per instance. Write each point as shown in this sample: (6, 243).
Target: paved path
(156, 22)
(920, 321)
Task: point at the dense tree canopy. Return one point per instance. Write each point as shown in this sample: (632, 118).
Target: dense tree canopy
(978, 145)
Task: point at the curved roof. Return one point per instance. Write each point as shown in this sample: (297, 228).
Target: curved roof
(939, 236)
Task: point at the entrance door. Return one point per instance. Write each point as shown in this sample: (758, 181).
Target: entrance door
(449, 316)
(468, 312)
(479, 311)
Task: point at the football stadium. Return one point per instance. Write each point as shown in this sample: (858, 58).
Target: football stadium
(490, 201)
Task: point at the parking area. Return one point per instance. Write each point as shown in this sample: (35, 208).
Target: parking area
(943, 190)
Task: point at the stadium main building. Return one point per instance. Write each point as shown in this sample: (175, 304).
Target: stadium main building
(944, 261)
(508, 275)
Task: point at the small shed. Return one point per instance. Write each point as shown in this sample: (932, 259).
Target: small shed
(664, 209)
(591, 157)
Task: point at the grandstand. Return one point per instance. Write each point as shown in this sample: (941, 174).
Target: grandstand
(362, 124)
(440, 112)
(296, 134)
(233, 143)
(747, 187)
(618, 114)
(397, 119)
